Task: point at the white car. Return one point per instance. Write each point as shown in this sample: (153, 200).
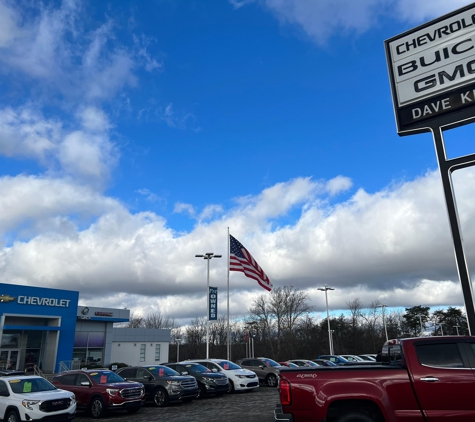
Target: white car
(31, 398)
(239, 379)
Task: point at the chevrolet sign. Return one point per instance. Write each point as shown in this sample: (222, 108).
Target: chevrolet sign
(432, 71)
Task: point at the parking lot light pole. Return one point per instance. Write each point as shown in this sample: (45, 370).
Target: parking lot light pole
(457, 329)
(384, 320)
(208, 256)
(325, 289)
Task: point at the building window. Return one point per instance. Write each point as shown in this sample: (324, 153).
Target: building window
(157, 353)
(142, 352)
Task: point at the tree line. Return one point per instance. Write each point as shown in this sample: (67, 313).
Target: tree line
(282, 325)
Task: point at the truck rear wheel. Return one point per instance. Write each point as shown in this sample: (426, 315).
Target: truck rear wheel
(354, 417)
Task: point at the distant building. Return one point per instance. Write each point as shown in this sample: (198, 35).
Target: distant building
(47, 328)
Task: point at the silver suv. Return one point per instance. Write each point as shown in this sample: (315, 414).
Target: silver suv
(32, 398)
(266, 369)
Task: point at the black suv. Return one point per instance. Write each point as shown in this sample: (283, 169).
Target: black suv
(208, 381)
(162, 384)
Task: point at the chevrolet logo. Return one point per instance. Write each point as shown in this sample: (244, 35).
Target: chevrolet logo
(6, 298)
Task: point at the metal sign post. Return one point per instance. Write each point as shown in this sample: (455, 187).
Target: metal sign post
(432, 75)
(447, 167)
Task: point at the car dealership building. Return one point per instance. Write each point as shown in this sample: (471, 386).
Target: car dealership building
(47, 328)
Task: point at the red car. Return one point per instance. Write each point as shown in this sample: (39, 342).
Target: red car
(98, 391)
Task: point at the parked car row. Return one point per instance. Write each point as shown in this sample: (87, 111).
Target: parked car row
(99, 391)
(331, 360)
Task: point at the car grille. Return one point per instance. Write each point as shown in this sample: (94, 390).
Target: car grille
(55, 405)
(221, 381)
(131, 393)
(189, 384)
(252, 384)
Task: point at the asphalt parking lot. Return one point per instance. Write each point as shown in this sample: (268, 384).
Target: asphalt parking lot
(254, 406)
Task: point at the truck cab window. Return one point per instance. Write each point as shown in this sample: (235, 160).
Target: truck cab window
(439, 355)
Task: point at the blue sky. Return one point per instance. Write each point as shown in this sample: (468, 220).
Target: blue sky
(133, 134)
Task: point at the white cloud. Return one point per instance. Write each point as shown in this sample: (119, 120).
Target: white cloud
(181, 207)
(421, 10)
(52, 47)
(393, 245)
(86, 153)
(322, 19)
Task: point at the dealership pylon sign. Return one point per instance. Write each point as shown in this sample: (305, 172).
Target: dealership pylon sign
(432, 72)
(432, 75)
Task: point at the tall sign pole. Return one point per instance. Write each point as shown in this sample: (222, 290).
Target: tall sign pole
(432, 75)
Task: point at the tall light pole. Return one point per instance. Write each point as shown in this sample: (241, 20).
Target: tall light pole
(384, 320)
(208, 256)
(325, 289)
(440, 324)
(457, 328)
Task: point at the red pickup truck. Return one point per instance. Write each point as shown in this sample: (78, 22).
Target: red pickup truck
(420, 379)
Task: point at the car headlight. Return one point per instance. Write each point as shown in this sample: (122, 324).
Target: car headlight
(29, 403)
(174, 382)
(73, 399)
(207, 379)
(112, 391)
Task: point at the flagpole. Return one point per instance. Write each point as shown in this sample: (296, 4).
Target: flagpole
(229, 333)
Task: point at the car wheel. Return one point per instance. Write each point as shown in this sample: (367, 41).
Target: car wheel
(133, 410)
(160, 397)
(13, 416)
(271, 380)
(355, 417)
(96, 408)
(202, 392)
(231, 387)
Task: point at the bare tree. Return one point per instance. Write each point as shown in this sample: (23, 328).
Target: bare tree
(135, 321)
(158, 320)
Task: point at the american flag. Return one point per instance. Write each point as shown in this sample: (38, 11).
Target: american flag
(241, 260)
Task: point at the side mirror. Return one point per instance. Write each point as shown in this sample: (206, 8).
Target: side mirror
(214, 370)
(262, 366)
(184, 373)
(86, 383)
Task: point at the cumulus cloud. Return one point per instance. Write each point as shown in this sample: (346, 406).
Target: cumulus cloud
(86, 153)
(322, 19)
(393, 245)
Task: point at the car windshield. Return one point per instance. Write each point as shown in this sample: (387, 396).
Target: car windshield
(270, 362)
(32, 385)
(105, 377)
(226, 365)
(162, 371)
(197, 369)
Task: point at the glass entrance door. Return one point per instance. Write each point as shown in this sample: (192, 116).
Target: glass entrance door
(9, 359)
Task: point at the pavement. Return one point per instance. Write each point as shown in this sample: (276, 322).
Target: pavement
(254, 406)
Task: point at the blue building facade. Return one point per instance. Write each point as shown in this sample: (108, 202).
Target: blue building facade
(37, 326)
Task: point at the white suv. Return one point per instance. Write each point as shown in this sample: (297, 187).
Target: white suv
(239, 379)
(28, 397)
